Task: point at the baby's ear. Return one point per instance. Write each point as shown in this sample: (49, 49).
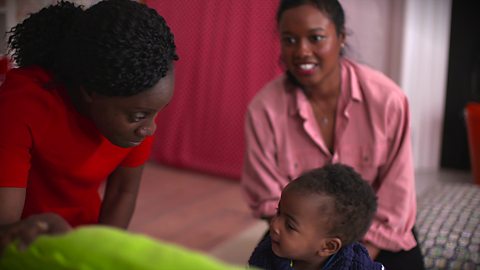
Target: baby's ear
(329, 246)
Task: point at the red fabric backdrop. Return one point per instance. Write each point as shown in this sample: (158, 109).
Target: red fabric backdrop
(228, 50)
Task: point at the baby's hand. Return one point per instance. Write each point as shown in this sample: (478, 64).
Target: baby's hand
(27, 230)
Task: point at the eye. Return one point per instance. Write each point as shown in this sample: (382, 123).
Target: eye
(287, 40)
(290, 226)
(137, 117)
(317, 38)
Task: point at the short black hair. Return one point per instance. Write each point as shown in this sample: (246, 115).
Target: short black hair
(115, 47)
(355, 202)
(332, 8)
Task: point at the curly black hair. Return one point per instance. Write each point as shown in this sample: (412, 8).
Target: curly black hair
(36, 40)
(354, 199)
(115, 47)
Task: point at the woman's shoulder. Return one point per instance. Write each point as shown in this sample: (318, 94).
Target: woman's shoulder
(27, 81)
(373, 84)
(272, 96)
(371, 76)
(29, 92)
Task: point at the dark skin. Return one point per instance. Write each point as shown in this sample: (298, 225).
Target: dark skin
(125, 121)
(120, 197)
(310, 48)
(300, 229)
(27, 230)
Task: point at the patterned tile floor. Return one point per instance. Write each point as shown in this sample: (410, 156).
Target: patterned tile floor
(448, 225)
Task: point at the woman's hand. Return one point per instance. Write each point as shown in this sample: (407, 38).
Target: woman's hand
(27, 230)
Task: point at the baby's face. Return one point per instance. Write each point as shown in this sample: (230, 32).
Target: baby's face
(300, 225)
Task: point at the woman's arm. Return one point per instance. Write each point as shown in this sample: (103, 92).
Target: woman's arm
(262, 180)
(11, 204)
(27, 230)
(120, 196)
(395, 187)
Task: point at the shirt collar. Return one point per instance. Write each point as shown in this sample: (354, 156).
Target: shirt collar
(350, 90)
(350, 80)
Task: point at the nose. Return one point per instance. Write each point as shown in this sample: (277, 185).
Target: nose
(274, 226)
(303, 48)
(148, 129)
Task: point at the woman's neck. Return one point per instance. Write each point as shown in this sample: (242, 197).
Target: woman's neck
(76, 100)
(327, 90)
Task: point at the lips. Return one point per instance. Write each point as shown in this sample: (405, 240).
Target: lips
(276, 247)
(135, 143)
(274, 239)
(305, 69)
(306, 66)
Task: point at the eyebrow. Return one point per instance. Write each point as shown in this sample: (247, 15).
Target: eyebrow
(146, 109)
(318, 29)
(292, 218)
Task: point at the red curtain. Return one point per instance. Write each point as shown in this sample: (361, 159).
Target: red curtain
(228, 50)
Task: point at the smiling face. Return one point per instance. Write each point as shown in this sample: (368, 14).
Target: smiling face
(299, 231)
(126, 121)
(310, 45)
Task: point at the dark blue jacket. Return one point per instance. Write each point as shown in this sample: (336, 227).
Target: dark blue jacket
(351, 257)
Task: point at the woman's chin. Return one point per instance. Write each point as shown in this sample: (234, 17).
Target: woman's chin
(125, 143)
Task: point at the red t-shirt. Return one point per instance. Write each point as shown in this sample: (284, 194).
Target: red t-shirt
(53, 151)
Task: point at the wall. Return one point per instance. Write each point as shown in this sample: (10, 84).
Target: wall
(374, 33)
(424, 75)
(408, 40)
(15, 11)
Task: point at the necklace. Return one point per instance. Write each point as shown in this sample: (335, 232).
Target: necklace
(324, 120)
(322, 117)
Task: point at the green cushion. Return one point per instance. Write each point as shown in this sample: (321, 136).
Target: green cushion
(100, 247)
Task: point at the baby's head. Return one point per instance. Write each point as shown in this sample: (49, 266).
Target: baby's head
(321, 211)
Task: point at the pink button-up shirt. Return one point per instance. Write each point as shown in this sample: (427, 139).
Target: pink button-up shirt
(372, 135)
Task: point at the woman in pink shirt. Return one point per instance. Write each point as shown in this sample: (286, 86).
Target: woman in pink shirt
(329, 109)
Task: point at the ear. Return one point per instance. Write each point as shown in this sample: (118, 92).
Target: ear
(341, 38)
(329, 246)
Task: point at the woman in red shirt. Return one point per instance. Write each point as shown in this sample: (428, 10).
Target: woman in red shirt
(80, 110)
